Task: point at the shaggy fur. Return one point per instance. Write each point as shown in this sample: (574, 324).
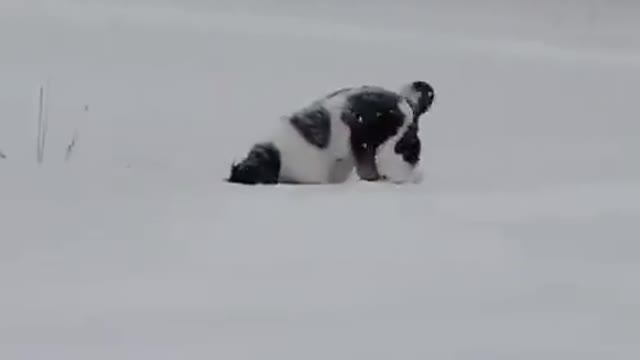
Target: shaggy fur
(369, 128)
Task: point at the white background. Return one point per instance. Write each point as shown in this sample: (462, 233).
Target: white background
(521, 243)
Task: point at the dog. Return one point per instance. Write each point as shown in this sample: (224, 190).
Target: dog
(367, 128)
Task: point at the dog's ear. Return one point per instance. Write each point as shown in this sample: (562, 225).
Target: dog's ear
(399, 157)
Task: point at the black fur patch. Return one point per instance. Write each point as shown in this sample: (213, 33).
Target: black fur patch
(338, 92)
(425, 100)
(261, 166)
(314, 124)
(373, 115)
(409, 145)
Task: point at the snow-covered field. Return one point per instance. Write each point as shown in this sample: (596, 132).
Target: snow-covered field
(522, 242)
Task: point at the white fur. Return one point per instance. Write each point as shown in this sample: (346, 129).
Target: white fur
(307, 164)
(410, 93)
(390, 164)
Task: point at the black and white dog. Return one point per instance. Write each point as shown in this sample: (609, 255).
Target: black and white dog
(369, 128)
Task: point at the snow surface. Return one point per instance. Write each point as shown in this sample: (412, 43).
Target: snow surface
(522, 242)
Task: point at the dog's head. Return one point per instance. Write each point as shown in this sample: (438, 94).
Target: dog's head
(387, 142)
(420, 96)
(398, 158)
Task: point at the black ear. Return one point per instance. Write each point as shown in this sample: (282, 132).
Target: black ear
(409, 145)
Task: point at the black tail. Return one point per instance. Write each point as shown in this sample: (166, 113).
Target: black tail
(261, 166)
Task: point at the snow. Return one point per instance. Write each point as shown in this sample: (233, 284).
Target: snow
(521, 242)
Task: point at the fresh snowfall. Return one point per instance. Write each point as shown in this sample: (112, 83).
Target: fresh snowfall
(121, 240)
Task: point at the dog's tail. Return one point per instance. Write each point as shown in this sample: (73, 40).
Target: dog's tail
(260, 166)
